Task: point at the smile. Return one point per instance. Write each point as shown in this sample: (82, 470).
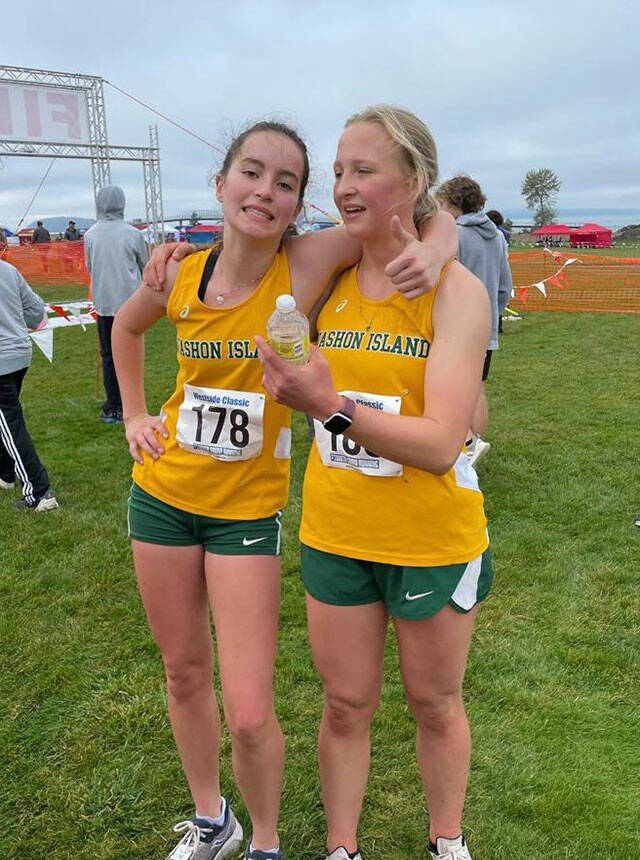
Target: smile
(259, 213)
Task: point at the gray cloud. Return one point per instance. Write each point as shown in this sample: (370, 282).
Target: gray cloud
(504, 88)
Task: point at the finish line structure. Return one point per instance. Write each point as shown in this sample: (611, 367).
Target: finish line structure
(45, 113)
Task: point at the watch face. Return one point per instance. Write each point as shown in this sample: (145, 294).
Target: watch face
(337, 423)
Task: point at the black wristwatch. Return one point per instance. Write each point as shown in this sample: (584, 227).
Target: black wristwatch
(340, 421)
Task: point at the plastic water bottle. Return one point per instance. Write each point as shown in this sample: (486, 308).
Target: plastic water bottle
(288, 331)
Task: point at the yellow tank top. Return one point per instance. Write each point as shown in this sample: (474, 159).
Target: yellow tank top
(356, 503)
(228, 450)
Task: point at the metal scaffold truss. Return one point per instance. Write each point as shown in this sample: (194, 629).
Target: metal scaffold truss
(97, 149)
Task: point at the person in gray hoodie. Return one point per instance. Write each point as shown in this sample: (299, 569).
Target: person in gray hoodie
(20, 310)
(115, 253)
(483, 250)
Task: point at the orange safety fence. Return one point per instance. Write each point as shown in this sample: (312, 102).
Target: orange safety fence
(48, 264)
(553, 281)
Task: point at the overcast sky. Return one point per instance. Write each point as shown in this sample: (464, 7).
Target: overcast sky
(504, 88)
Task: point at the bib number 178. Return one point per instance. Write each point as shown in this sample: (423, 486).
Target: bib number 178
(238, 423)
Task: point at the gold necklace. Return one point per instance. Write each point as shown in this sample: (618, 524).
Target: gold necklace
(221, 297)
(369, 322)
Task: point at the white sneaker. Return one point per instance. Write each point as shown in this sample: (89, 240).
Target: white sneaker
(450, 849)
(7, 485)
(341, 854)
(203, 841)
(477, 449)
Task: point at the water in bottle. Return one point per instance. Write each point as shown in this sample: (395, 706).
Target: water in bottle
(288, 331)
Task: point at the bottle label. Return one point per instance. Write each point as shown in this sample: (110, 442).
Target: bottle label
(290, 350)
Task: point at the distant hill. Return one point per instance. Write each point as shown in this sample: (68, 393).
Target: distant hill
(60, 223)
(631, 231)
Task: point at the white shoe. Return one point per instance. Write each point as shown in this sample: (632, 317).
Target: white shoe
(7, 485)
(477, 449)
(450, 849)
(341, 854)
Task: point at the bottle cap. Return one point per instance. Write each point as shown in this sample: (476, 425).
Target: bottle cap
(285, 303)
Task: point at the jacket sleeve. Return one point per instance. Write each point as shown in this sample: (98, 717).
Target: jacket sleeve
(87, 252)
(142, 255)
(32, 304)
(505, 287)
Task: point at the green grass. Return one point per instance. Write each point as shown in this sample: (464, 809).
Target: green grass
(88, 765)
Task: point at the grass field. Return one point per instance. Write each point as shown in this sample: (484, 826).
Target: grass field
(88, 765)
(629, 248)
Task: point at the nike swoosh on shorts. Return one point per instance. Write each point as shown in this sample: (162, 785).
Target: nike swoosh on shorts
(417, 596)
(247, 542)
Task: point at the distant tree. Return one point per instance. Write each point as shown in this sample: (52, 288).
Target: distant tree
(539, 189)
(194, 218)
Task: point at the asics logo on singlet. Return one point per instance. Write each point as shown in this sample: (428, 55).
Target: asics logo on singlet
(247, 542)
(342, 305)
(184, 313)
(417, 596)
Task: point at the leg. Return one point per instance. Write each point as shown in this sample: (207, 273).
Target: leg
(17, 452)
(173, 589)
(245, 598)
(433, 658)
(109, 378)
(480, 417)
(347, 643)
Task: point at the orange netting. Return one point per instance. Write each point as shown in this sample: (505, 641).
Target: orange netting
(50, 263)
(591, 283)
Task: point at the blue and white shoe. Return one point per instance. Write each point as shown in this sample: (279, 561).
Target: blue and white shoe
(204, 841)
(257, 854)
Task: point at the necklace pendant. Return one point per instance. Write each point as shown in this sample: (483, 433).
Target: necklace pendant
(220, 299)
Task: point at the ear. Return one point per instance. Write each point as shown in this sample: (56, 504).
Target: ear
(219, 186)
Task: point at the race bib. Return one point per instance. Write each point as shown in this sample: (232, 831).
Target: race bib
(339, 452)
(227, 425)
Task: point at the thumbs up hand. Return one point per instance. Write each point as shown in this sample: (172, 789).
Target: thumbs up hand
(417, 267)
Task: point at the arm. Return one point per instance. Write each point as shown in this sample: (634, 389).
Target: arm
(155, 271)
(505, 286)
(142, 253)
(462, 321)
(87, 253)
(137, 314)
(32, 304)
(316, 258)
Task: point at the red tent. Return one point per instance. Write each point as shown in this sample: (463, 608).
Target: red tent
(591, 236)
(552, 230)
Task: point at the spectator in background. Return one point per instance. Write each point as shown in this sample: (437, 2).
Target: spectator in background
(116, 254)
(498, 220)
(3, 243)
(20, 310)
(40, 234)
(483, 250)
(71, 234)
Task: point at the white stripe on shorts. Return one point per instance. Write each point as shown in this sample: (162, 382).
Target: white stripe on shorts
(279, 537)
(466, 594)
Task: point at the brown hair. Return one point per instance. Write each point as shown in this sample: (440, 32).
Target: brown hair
(416, 146)
(277, 128)
(463, 192)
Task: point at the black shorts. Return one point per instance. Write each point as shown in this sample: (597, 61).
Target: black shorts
(487, 364)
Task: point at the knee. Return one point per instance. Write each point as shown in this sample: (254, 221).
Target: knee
(187, 679)
(346, 715)
(249, 723)
(436, 713)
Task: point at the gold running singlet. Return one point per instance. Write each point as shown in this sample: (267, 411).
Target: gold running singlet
(228, 451)
(361, 505)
